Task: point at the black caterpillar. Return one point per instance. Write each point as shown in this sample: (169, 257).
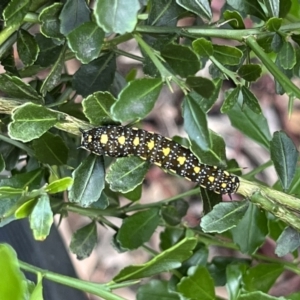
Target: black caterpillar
(119, 141)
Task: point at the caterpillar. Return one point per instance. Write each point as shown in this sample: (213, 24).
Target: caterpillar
(120, 141)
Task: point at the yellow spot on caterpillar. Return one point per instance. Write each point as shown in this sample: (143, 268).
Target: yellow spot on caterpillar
(211, 178)
(223, 185)
(136, 141)
(172, 171)
(157, 163)
(197, 169)
(90, 138)
(166, 151)
(103, 138)
(226, 173)
(121, 140)
(181, 159)
(189, 179)
(150, 145)
(143, 158)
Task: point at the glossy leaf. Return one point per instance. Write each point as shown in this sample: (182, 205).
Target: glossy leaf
(232, 97)
(203, 47)
(198, 285)
(168, 260)
(258, 296)
(251, 7)
(287, 56)
(181, 59)
(41, 218)
(284, 155)
(16, 88)
(250, 100)
(156, 290)
(250, 72)
(59, 185)
(30, 121)
(201, 85)
(199, 7)
(88, 181)
(234, 18)
(174, 212)
(262, 277)
(126, 173)
(234, 273)
(95, 76)
(137, 99)
(73, 14)
(84, 240)
(2, 163)
(86, 41)
(195, 123)
(13, 284)
(116, 16)
(251, 231)
(96, 108)
(27, 47)
(288, 242)
(15, 12)
(50, 149)
(227, 55)
(253, 125)
(224, 216)
(273, 24)
(138, 228)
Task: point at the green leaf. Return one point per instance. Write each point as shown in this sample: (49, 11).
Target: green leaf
(203, 47)
(59, 185)
(25, 209)
(73, 14)
(41, 218)
(15, 11)
(53, 78)
(272, 7)
(137, 99)
(258, 296)
(262, 277)
(227, 55)
(198, 285)
(50, 149)
(251, 231)
(168, 260)
(231, 99)
(199, 7)
(156, 290)
(138, 228)
(251, 7)
(234, 273)
(27, 47)
(13, 284)
(116, 16)
(284, 155)
(86, 41)
(288, 242)
(49, 51)
(95, 76)
(30, 121)
(135, 194)
(174, 212)
(195, 123)
(181, 59)
(88, 181)
(273, 24)
(16, 88)
(287, 56)
(253, 125)
(234, 18)
(84, 241)
(250, 100)
(224, 216)
(49, 18)
(250, 72)
(97, 108)
(201, 85)
(2, 163)
(37, 293)
(126, 173)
